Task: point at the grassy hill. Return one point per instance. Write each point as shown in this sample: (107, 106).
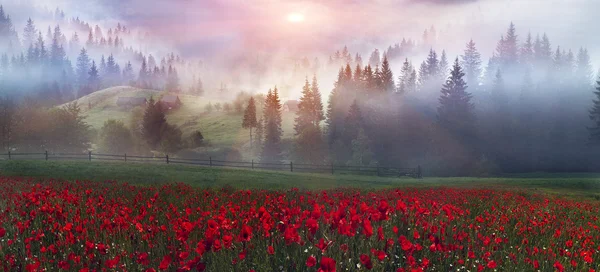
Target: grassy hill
(220, 129)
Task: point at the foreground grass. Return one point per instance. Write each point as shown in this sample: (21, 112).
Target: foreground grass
(576, 185)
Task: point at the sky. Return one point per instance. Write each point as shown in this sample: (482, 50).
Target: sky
(209, 27)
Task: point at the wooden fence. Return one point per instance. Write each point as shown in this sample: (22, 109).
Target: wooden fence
(291, 167)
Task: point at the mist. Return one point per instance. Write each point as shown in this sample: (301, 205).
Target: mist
(532, 88)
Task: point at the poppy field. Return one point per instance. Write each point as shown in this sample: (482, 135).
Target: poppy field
(51, 225)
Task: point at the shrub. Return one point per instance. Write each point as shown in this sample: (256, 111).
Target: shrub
(115, 138)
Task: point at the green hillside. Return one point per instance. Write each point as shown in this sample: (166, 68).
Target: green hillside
(220, 129)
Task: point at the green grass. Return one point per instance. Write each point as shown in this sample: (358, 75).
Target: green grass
(584, 186)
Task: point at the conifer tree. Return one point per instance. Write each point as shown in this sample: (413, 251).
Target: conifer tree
(594, 130)
(583, 70)
(375, 59)
(93, 78)
(249, 121)
(128, 76)
(82, 68)
(353, 123)
(29, 33)
(526, 53)
(309, 141)
(456, 111)
(387, 77)
(272, 117)
(443, 68)
(153, 123)
(433, 65)
(471, 61)
(404, 80)
(144, 75)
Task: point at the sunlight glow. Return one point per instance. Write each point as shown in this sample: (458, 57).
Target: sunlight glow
(295, 17)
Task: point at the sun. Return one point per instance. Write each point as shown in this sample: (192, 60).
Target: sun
(295, 17)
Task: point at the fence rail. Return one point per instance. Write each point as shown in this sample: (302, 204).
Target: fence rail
(291, 167)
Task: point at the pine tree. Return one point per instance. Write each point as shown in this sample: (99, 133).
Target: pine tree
(594, 131)
(507, 48)
(249, 121)
(172, 80)
(404, 84)
(153, 123)
(82, 68)
(375, 59)
(353, 123)
(471, 61)
(259, 132)
(93, 78)
(128, 76)
(317, 103)
(272, 117)
(144, 76)
(387, 77)
(499, 97)
(527, 54)
(456, 112)
(443, 67)
(309, 141)
(433, 67)
(29, 33)
(583, 70)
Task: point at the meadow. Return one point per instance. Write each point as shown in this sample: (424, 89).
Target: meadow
(56, 225)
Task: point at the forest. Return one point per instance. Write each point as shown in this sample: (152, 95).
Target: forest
(530, 107)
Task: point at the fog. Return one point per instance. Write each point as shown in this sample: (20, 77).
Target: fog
(253, 46)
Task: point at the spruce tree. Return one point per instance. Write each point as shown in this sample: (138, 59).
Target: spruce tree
(456, 111)
(594, 130)
(583, 70)
(353, 123)
(93, 82)
(309, 141)
(272, 140)
(82, 68)
(153, 123)
(443, 67)
(387, 77)
(405, 77)
(471, 61)
(433, 65)
(29, 33)
(249, 121)
(527, 54)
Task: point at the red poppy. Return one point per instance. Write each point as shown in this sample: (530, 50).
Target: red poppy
(366, 261)
(270, 250)
(311, 261)
(327, 265)
(492, 264)
(165, 263)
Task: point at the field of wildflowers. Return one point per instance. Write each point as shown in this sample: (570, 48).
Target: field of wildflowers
(53, 225)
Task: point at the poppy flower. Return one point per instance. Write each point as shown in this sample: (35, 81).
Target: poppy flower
(366, 261)
(327, 265)
(311, 261)
(165, 263)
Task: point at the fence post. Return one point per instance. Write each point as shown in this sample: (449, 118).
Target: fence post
(46, 153)
(210, 161)
(332, 168)
(252, 164)
(291, 167)
(419, 175)
(167, 157)
(125, 157)
(9, 155)
(90, 155)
